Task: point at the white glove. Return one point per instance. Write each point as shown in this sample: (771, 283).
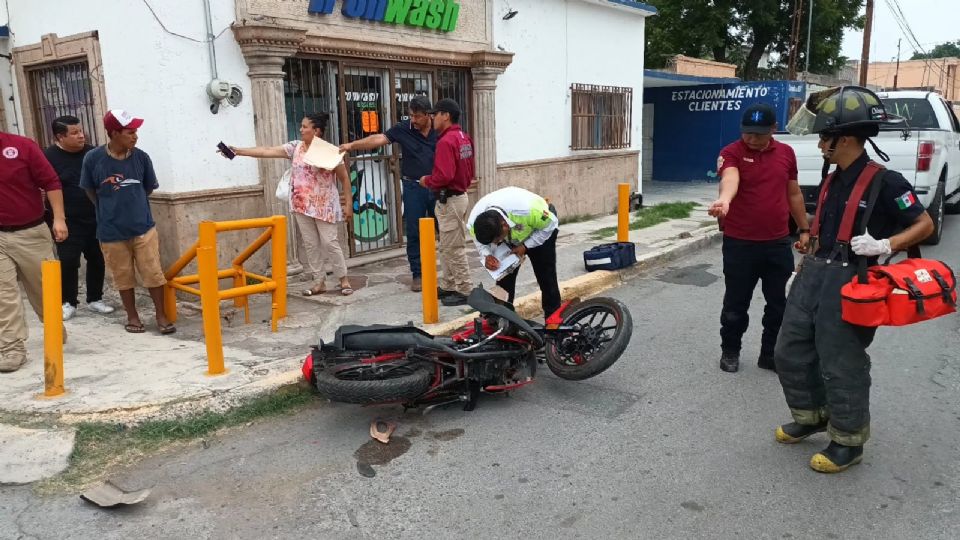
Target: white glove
(869, 246)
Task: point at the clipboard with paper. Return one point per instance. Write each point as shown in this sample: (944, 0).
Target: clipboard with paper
(323, 155)
(508, 261)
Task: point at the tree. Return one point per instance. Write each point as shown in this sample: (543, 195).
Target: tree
(943, 50)
(742, 31)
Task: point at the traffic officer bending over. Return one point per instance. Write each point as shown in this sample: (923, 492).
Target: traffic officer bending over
(758, 194)
(525, 221)
(821, 360)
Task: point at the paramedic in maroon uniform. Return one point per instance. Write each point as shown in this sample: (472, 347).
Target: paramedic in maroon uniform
(758, 194)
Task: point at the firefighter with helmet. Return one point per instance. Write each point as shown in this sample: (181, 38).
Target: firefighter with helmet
(821, 360)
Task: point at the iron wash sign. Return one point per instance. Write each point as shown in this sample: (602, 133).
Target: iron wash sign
(431, 14)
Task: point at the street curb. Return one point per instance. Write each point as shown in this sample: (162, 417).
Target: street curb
(528, 306)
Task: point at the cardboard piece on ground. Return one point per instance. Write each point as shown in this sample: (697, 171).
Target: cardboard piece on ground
(108, 495)
(323, 154)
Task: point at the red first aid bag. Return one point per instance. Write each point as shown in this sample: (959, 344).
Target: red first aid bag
(907, 292)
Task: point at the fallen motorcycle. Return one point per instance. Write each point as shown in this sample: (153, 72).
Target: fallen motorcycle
(497, 353)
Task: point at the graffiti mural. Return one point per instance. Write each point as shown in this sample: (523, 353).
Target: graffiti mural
(371, 219)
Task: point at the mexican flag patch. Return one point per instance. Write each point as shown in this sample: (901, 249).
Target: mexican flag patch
(906, 200)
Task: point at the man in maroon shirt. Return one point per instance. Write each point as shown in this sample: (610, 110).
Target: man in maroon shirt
(758, 194)
(24, 238)
(453, 172)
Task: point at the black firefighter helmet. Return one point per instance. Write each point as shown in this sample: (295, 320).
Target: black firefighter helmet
(842, 110)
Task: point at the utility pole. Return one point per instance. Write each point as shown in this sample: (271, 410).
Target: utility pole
(806, 57)
(794, 41)
(865, 55)
(897, 72)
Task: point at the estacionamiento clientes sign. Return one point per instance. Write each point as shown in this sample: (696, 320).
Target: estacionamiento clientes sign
(430, 14)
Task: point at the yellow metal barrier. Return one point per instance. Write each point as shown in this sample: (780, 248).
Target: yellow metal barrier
(52, 330)
(428, 265)
(623, 212)
(208, 277)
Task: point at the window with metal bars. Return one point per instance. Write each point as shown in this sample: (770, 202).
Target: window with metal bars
(58, 90)
(602, 117)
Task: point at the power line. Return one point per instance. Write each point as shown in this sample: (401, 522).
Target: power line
(901, 20)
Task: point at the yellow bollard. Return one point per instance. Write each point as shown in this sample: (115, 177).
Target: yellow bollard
(428, 265)
(52, 329)
(278, 262)
(170, 303)
(210, 296)
(623, 212)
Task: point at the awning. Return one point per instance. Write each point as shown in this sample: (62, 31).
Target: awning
(653, 78)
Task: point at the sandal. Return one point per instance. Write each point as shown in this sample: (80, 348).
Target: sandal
(134, 328)
(346, 291)
(165, 329)
(314, 291)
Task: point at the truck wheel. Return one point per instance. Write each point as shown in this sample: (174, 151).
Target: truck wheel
(936, 214)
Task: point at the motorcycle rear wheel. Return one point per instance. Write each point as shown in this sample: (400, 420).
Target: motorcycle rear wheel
(356, 382)
(600, 343)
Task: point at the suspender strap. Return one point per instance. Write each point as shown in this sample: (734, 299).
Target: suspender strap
(845, 233)
(815, 227)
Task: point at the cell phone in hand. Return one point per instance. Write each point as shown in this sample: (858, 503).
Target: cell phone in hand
(226, 151)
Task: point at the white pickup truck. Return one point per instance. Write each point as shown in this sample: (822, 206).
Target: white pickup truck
(926, 150)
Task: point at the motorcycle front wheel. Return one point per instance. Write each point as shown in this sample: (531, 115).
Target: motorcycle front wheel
(357, 382)
(604, 327)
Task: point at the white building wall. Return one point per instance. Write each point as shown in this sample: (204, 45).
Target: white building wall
(558, 43)
(161, 78)
(6, 78)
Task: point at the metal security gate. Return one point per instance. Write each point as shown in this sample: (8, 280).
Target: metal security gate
(58, 90)
(366, 100)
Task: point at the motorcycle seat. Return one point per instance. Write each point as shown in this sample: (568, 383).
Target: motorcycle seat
(380, 337)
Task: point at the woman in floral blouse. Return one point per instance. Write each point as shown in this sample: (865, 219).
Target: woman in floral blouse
(315, 202)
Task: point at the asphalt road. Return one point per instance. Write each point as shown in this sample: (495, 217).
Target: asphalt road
(663, 445)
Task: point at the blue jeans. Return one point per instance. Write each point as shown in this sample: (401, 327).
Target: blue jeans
(418, 203)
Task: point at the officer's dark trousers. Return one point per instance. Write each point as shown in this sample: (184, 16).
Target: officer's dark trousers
(821, 360)
(82, 240)
(745, 263)
(418, 202)
(543, 258)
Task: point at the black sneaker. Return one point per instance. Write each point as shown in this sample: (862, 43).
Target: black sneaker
(730, 361)
(453, 298)
(794, 432)
(766, 362)
(836, 458)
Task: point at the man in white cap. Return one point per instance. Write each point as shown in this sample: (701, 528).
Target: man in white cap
(118, 178)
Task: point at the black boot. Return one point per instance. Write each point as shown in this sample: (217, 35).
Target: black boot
(766, 362)
(794, 432)
(730, 361)
(836, 458)
(453, 298)
(443, 292)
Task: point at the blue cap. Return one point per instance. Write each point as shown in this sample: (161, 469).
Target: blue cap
(758, 118)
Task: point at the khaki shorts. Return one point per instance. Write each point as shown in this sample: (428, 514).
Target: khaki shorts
(142, 252)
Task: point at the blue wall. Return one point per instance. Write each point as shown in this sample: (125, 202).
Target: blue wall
(691, 124)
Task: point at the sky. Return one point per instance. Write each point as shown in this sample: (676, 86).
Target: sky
(929, 20)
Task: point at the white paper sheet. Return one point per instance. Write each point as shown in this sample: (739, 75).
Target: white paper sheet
(508, 261)
(323, 155)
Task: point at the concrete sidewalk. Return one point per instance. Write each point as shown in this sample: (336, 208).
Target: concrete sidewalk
(116, 376)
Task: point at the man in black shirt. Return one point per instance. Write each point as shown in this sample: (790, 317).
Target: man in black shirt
(66, 156)
(822, 360)
(417, 141)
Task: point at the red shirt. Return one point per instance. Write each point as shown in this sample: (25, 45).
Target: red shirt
(761, 209)
(24, 171)
(453, 162)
